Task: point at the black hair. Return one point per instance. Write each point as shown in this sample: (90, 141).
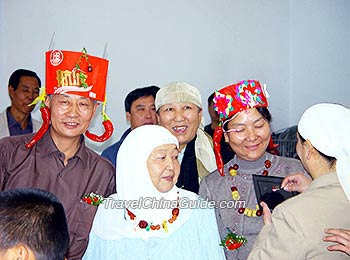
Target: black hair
(211, 98)
(138, 93)
(263, 111)
(330, 159)
(36, 219)
(16, 77)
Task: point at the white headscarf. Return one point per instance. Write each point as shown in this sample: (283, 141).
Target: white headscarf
(327, 127)
(134, 184)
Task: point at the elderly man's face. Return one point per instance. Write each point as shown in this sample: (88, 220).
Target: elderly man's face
(70, 115)
(181, 119)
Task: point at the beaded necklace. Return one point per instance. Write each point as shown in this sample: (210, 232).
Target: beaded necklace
(257, 212)
(150, 226)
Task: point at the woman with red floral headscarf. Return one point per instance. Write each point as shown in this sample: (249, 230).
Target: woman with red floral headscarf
(245, 124)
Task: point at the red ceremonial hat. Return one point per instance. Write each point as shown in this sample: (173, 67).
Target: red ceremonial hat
(231, 100)
(241, 96)
(76, 73)
(70, 72)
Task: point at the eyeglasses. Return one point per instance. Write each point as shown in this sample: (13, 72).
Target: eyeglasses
(233, 130)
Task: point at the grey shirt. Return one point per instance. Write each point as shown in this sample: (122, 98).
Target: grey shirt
(218, 188)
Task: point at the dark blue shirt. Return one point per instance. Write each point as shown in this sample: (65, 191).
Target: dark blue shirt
(111, 152)
(15, 128)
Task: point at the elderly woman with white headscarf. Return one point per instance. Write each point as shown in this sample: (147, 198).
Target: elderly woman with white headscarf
(149, 217)
(297, 225)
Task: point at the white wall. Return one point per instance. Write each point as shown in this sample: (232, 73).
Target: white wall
(319, 54)
(299, 48)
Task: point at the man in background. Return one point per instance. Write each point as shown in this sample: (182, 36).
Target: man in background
(33, 225)
(226, 152)
(23, 88)
(139, 110)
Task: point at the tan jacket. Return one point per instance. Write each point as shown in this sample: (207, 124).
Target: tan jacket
(205, 154)
(299, 223)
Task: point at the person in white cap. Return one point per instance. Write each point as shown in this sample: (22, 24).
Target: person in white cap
(298, 182)
(297, 225)
(179, 109)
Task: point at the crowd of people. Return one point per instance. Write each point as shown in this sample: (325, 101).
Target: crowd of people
(170, 188)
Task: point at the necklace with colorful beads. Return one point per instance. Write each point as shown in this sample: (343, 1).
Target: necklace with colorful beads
(257, 212)
(143, 224)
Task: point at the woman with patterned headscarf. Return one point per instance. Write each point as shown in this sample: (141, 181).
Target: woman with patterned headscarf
(245, 123)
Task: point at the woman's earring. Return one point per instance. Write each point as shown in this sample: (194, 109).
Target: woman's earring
(227, 140)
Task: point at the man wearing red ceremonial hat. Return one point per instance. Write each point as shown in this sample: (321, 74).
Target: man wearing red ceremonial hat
(56, 158)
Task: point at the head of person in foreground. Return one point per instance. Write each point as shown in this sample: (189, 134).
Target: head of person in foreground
(33, 226)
